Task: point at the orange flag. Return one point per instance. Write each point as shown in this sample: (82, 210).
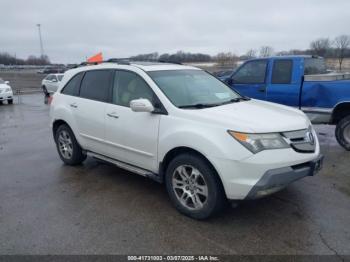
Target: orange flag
(98, 58)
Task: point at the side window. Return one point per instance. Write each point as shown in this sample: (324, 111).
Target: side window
(282, 72)
(129, 86)
(49, 77)
(72, 87)
(251, 73)
(96, 84)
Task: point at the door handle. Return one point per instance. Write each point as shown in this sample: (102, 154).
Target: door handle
(74, 105)
(262, 89)
(112, 115)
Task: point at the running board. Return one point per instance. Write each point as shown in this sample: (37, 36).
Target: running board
(131, 168)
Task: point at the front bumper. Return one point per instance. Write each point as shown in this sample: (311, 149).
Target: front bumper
(6, 96)
(276, 179)
(240, 176)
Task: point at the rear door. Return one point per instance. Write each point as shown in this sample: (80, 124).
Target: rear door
(90, 109)
(250, 79)
(283, 84)
(132, 137)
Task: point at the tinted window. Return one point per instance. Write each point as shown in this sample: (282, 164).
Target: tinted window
(72, 88)
(282, 72)
(95, 85)
(251, 72)
(129, 86)
(315, 66)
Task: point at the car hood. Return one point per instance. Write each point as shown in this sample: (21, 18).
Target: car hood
(253, 116)
(3, 86)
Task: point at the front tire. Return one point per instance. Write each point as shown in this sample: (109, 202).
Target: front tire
(194, 187)
(68, 148)
(342, 133)
(10, 101)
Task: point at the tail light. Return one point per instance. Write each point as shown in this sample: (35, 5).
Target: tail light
(49, 100)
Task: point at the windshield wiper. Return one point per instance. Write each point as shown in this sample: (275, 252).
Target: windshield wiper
(200, 105)
(236, 100)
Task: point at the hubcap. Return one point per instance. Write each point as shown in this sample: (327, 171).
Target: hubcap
(65, 144)
(190, 187)
(347, 133)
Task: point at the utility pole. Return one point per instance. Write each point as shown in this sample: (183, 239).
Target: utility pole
(41, 41)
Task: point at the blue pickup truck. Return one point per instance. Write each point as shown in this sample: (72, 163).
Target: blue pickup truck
(302, 82)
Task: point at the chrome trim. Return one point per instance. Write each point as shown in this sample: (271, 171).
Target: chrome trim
(131, 168)
(321, 110)
(117, 145)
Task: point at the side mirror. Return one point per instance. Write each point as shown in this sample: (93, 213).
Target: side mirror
(7, 82)
(229, 81)
(141, 105)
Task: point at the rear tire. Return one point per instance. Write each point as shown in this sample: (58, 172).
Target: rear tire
(194, 186)
(46, 93)
(342, 132)
(68, 148)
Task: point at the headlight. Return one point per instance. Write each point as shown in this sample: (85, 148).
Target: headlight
(259, 142)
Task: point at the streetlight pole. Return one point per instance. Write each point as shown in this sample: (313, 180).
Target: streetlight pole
(41, 41)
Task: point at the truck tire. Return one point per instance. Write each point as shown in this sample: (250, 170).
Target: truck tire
(68, 148)
(342, 132)
(194, 187)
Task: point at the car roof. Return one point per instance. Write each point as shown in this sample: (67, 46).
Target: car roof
(145, 66)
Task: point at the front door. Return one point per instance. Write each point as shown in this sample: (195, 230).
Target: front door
(132, 137)
(250, 79)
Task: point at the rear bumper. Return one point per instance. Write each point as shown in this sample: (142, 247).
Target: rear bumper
(276, 179)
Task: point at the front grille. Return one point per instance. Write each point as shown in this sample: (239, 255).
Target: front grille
(302, 141)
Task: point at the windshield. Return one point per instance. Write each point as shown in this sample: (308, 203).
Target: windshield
(193, 88)
(315, 66)
(60, 77)
(2, 81)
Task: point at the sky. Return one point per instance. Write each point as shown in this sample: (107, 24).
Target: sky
(76, 29)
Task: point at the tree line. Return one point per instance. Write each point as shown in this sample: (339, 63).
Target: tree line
(338, 48)
(7, 59)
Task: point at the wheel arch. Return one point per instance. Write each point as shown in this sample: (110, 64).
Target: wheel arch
(340, 111)
(56, 124)
(171, 154)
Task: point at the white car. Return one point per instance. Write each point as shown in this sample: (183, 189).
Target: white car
(180, 125)
(50, 83)
(6, 93)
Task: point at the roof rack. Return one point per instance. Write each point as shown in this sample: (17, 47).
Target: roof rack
(125, 61)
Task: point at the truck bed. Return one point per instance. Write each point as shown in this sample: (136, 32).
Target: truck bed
(327, 77)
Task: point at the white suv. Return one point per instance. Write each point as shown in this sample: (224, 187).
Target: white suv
(6, 93)
(180, 125)
(50, 83)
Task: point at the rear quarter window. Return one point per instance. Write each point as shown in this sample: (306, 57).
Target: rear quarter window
(73, 85)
